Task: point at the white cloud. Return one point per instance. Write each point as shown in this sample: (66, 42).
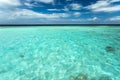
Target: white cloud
(75, 6)
(32, 14)
(104, 6)
(29, 14)
(54, 9)
(116, 18)
(77, 14)
(99, 4)
(28, 4)
(4, 3)
(36, 3)
(114, 0)
(92, 19)
(108, 9)
(45, 1)
(64, 9)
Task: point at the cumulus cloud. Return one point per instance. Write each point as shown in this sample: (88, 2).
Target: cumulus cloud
(77, 14)
(108, 9)
(114, 0)
(4, 3)
(104, 6)
(31, 11)
(54, 9)
(116, 18)
(92, 19)
(27, 14)
(45, 1)
(64, 9)
(29, 4)
(13, 13)
(75, 6)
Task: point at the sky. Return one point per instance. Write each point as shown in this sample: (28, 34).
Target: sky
(59, 11)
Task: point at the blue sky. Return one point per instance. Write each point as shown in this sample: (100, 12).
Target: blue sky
(59, 11)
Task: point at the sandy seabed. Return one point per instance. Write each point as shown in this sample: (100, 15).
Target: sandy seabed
(60, 53)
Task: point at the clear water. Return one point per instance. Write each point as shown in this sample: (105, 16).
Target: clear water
(59, 53)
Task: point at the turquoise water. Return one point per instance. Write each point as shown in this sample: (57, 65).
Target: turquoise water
(60, 53)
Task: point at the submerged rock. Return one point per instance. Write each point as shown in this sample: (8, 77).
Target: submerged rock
(109, 49)
(21, 55)
(93, 78)
(105, 78)
(79, 77)
(85, 77)
(72, 78)
(2, 71)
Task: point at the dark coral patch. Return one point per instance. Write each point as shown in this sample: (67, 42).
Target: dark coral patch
(85, 77)
(79, 77)
(109, 49)
(21, 55)
(93, 79)
(82, 77)
(72, 78)
(2, 71)
(105, 78)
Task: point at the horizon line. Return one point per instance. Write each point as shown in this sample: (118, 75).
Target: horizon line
(59, 25)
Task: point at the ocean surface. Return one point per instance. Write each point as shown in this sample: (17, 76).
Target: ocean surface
(60, 53)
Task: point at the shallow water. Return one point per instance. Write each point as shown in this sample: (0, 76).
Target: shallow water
(57, 53)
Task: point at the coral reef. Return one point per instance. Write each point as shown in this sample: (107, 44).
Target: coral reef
(79, 77)
(105, 78)
(109, 49)
(85, 77)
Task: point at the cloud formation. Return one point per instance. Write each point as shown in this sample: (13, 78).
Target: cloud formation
(116, 18)
(4, 3)
(25, 13)
(75, 6)
(104, 6)
(45, 1)
(76, 14)
(59, 11)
